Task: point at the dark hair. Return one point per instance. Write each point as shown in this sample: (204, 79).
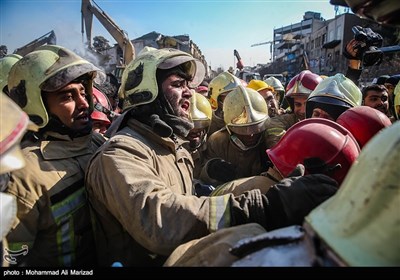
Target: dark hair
(375, 87)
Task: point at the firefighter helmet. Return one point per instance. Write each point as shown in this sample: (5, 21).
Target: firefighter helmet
(321, 145)
(361, 222)
(14, 123)
(363, 122)
(222, 84)
(245, 111)
(334, 95)
(301, 85)
(49, 68)
(5, 66)
(200, 111)
(99, 112)
(259, 85)
(139, 81)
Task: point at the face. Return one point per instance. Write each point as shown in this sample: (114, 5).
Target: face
(319, 113)
(177, 93)
(70, 105)
(377, 100)
(249, 140)
(196, 137)
(300, 107)
(273, 107)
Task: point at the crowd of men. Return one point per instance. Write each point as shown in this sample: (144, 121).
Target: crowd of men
(180, 171)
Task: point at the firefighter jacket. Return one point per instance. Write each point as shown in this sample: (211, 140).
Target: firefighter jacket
(141, 191)
(247, 163)
(277, 127)
(53, 225)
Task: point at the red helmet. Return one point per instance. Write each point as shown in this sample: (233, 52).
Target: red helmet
(99, 97)
(363, 122)
(321, 145)
(301, 85)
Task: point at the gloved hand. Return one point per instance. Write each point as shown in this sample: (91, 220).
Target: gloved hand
(297, 171)
(289, 201)
(221, 170)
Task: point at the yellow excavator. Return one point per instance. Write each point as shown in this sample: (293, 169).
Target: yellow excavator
(90, 8)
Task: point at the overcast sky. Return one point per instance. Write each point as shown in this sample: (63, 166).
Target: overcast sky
(217, 27)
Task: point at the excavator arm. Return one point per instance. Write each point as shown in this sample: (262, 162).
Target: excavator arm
(48, 38)
(89, 8)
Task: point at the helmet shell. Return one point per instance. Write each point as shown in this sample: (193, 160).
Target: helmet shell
(337, 90)
(363, 122)
(397, 101)
(14, 123)
(319, 144)
(49, 68)
(259, 85)
(245, 111)
(5, 66)
(301, 85)
(200, 111)
(139, 82)
(361, 222)
(99, 97)
(222, 84)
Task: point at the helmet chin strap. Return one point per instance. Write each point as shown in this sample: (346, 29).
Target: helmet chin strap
(239, 143)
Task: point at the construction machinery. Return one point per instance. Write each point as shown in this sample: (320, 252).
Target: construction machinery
(245, 73)
(48, 38)
(90, 8)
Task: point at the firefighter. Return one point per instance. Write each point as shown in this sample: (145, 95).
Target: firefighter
(268, 93)
(359, 226)
(332, 97)
(218, 89)
(297, 91)
(53, 86)
(14, 124)
(140, 181)
(238, 150)
(102, 107)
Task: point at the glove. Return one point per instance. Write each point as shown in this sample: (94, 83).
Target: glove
(297, 171)
(289, 201)
(221, 170)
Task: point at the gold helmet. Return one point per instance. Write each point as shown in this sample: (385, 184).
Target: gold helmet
(245, 111)
(48, 68)
(259, 85)
(5, 66)
(200, 111)
(334, 95)
(361, 222)
(222, 84)
(139, 82)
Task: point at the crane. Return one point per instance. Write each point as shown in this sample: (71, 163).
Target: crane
(48, 38)
(89, 9)
(265, 43)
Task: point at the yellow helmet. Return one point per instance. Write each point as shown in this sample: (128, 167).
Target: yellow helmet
(200, 111)
(48, 68)
(14, 123)
(397, 101)
(245, 111)
(361, 223)
(5, 66)
(337, 92)
(222, 84)
(139, 82)
(259, 85)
